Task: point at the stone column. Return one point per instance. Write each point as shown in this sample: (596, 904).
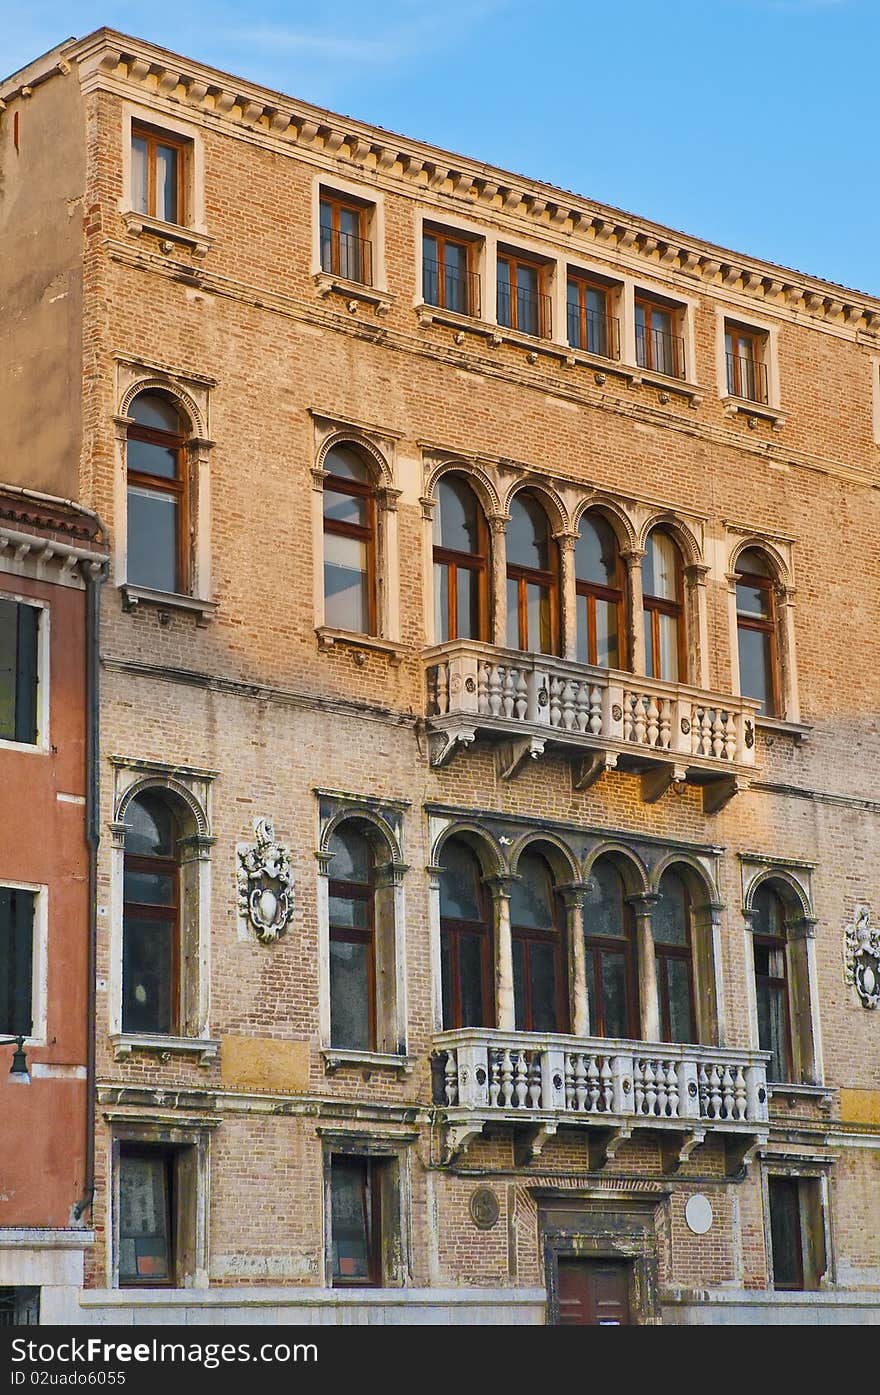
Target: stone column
(499, 888)
(649, 1001)
(635, 630)
(568, 596)
(789, 698)
(806, 1032)
(579, 1005)
(697, 623)
(498, 579)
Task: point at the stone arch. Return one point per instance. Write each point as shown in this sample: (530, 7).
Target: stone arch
(779, 567)
(794, 897)
(375, 461)
(482, 843)
(629, 865)
(614, 514)
(551, 501)
(478, 478)
(692, 554)
(166, 785)
(562, 861)
(378, 830)
(699, 881)
(167, 387)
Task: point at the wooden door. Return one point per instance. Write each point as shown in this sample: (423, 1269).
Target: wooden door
(594, 1292)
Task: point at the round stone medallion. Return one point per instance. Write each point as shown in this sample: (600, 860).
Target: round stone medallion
(698, 1214)
(484, 1208)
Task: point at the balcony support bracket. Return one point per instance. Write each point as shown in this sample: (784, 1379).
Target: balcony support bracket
(718, 793)
(528, 1143)
(604, 1145)
(443, 745)
(739, 1151)
(586, 770)
(512, 756)
(459, 1136)
(677, 1150)
(655, 783)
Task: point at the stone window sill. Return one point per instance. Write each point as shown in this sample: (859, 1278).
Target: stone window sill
(368, 1061)
(754, 411)
(328, 637)
(135, 596)
(799, 731)
(124, 1043)
(692, 391)
(791, 1092)
(140, 223)
(355, 290)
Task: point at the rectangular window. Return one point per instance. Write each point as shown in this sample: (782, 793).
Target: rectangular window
(797, 1232)
(356, 1220)
(448, 277)
(19, 630)
(659, 346)
(345, 249)
(745, 352)
(19, 1307)
(523, 302)
(590, 325)
(158, 174)
(146, 1210)
(16, 961)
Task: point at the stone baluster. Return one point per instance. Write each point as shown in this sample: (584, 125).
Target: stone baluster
(580, 1081)
(739, 1094)
(522, 1078)
(450, 1072)
(521, 697)
(671, 1091)
(494, 1078)
(508, 692)
(639, 1086)
(569, 1081)
(593, 1083)
(652, 726)
(605, 1078)
(594, 724)
(535, 1081)
(661, 1089)
(506, 1079)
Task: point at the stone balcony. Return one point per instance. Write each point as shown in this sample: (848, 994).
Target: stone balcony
(537, 1084)
(531, 703)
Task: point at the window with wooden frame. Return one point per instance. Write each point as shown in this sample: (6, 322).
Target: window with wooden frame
(19, 671)
(151, 918)
(539, 985)
(746, 357)
(673, 952)
(771, 982)
(523, 300)
(346, 250)
(147, 1213)
(349, 543)
(352, 940)
(659, 345)
(756, 632)
(591, 326)
(663, 600)
(157, 532)
(612, 966)
(465, 940)
(599, 589)
(16, 961)
(158, 174)
(532, 578)
(461, 563)
(449, 276)
(356, 1220)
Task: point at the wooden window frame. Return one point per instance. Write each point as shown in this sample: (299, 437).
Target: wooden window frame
(169, 1156)
(616, 595)
(444, 239)
(373, 1213)
(171, 915)
(452, 929)
(625, 945)
(583, 284)
(649, 307)
(452, 560)
(768, 626)
(514, 260)
(366, 533)
(655, 606)
(756, 341)
(154, 136)
(160, 484)
(554, 936)
(663, 952)
(548, 579)
(350, 934)
(337, 203)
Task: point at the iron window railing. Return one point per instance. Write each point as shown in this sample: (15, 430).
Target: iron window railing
(660, 352)
(747, 377)
(594, 333)
(450, 289)
(343, 254)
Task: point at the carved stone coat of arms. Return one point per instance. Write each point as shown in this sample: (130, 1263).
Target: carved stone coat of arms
(861, 956)
(265, 884)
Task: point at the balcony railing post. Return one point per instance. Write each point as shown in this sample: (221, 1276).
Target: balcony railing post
(538, 697)
(553, 1078)
(473, 1076)
(757, 1107)
(688, 1090)
(612, 712)
(622, 1085)
(463, 682)
(681, 726)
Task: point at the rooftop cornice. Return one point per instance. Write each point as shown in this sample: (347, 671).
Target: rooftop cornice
(107, 58)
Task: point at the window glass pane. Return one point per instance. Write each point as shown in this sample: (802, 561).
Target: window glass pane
(614, 995)
(346, 463)
(785, 1232)
(660, 567)
(528, 534)
(456, 278)
(595, 555)
(669, 918)
(772, 1035)
(520, 949)
(351, 858)
(147, 974)
(149, 409)
(350, 995)
(572, 300)
(651, 659)
(460, 883)
(152, 539)
(752, 600)
(668, 626)
(441, 603)
(150, 888)
(139, 174)
(678, 978)
(527, 279)
(755, 666)
(349, 1219)
(166, 183)
(19, 628)
(545, 1017)
(16, 961)
(447, 949)
(326, 217)
(457, 518)
(470, 950)
(8, 668)
(583, 630)
(538, 609)
(531, 896)
(603, 903)
(346, 508)
(150, 826)
(143, 1219)
(350, 912)
(350, 222)
(346, 584)
(768, 912)
(430, 270)
(147, 458)
(607, 651)
(468, 603)
(512, 614)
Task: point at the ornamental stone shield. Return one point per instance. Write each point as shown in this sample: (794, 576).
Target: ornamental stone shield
(265, 884)
(861, 955)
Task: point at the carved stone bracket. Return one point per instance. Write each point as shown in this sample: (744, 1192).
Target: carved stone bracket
(604, 1145)
(586, 770)
(265, 884)
(676, 1150)
(719, 792)
(529, 1143)
(511, 756)
(655, 783)
(459, 1136)
(443, 745)
(739, 1152)
(861, 957)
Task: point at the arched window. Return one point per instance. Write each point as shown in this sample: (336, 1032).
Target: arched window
(609, 939)
(461, 561)
(158, 526)
(465, 940)
(151, 998)
(599, 585)
(349, 543)
(538, 980)
(352, 940)
(532, 578)
(771, 981)
(673, 951)
(663, 594)
(756, 631)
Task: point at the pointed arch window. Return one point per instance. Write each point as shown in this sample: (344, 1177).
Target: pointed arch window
(349, 543)
(151, 996)
(352, 940)
(461, 563)
(663, 595)
(673, 950)
(532, 578)
(600, 590)
(611, 963)
(536, 938)
(756, 631)
(465, 939)
(158, 521)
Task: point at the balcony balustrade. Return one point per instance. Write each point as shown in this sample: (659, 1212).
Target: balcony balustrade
(532, 702)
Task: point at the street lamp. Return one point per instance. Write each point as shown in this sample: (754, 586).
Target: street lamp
(18, 1071)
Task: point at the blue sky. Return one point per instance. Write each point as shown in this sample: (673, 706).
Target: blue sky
(752, 123)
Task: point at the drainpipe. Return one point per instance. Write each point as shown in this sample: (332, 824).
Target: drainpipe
(93, 574)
